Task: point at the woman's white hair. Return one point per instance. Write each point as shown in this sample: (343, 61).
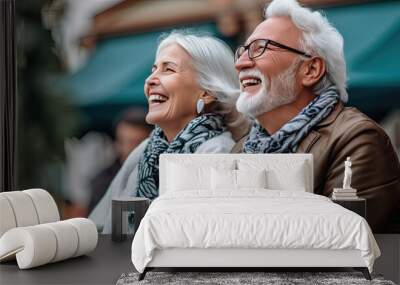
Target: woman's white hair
(320, 38)
(213, 61)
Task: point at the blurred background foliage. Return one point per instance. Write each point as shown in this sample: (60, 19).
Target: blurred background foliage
(46, 116)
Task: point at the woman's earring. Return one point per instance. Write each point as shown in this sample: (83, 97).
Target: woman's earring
(200, 106)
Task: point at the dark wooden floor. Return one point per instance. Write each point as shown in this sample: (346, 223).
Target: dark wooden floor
(102, 266)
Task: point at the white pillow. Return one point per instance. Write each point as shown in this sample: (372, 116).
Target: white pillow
(294, 179)
(284, 174)
(225, 179)
(183, 177)
(251, 178)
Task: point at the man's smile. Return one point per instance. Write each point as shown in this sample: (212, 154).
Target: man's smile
(250, 81)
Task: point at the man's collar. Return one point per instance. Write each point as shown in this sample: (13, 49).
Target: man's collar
(332, 116)
(314, 135)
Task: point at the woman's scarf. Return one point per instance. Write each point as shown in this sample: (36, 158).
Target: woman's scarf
(198, 131)
(289, 137)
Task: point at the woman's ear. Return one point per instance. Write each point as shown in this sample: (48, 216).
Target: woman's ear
(312, 70)
(207, 98)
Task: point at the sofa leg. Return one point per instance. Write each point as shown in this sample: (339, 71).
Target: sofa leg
(364, 271)
(142, 275)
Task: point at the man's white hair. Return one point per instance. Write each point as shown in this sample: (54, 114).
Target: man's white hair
(213, 61)
(320, 38)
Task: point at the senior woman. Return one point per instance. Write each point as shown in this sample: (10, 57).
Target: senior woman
(191, 91)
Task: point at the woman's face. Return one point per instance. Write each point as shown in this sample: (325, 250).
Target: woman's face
(172, 89)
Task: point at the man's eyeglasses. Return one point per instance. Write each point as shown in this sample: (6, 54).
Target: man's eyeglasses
(257, 47)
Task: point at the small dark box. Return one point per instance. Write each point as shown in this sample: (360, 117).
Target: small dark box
(127, 212)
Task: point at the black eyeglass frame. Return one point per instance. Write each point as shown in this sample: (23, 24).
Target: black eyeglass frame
(267, 42)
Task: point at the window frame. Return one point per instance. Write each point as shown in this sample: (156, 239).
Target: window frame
(7, 96)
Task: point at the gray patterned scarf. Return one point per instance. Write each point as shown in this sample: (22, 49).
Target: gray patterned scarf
(199, 130)
(288, 138)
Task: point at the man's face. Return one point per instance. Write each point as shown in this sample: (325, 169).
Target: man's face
(269, 81)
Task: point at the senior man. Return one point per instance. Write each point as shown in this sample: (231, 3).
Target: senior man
(293, 82)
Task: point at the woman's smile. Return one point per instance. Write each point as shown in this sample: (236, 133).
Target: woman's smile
(157, 99)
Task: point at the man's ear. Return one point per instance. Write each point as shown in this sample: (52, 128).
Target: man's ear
(312, 70)
(207, 98)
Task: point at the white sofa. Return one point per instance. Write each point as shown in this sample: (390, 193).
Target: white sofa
(31, 231)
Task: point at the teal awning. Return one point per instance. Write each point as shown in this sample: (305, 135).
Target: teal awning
(115, 72)
(371, 33)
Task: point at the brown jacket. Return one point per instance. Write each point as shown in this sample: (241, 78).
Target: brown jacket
(376, 169)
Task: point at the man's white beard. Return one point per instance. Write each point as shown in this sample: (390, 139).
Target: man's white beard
(282, 92)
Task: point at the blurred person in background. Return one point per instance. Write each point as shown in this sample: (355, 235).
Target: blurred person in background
(85, 158)
(130, 130)
(191, 91)
(293, 81)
